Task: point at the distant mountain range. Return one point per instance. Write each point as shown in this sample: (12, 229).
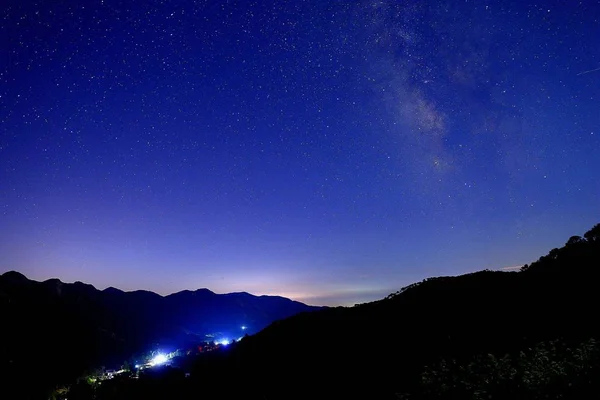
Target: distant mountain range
(59, 330)
(491, 334)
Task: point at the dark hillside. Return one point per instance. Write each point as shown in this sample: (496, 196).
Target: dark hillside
(490, 334)
(381, 348)
(53, 332)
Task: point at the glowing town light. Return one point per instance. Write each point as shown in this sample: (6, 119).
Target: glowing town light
(159, 359)
(224, 342)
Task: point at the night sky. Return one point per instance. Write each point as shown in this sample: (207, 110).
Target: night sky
(327, 151)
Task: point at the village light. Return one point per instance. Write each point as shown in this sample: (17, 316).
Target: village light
(158, 359)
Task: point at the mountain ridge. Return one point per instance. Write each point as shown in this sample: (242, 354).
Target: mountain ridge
(382, 349)
(14, 274)
(80, 327)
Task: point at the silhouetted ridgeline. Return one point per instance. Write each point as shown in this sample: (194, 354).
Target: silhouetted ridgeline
(527, 334)
(51, 332)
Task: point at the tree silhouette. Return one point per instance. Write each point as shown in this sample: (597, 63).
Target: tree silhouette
(593, 235)
(574, 240)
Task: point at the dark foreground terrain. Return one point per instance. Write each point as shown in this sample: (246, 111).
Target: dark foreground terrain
(528, 334)
(53, 332)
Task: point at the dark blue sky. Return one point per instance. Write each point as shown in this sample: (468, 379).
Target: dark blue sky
(327, 151)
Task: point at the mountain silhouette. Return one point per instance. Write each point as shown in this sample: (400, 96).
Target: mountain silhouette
(380, 350)
(491, 334)
(65, 329)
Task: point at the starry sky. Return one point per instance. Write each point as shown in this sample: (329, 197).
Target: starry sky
(328, 151)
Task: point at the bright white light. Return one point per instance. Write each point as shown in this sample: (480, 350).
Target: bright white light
(243, 327)
(224, 342)
(159, 359)
(137, 365)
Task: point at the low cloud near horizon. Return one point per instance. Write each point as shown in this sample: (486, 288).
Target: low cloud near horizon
(345, 298)
(514, 268)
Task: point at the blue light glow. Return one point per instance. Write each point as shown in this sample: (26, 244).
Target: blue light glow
(159, 359)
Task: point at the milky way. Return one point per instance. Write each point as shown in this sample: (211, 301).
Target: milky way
(329, 151)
